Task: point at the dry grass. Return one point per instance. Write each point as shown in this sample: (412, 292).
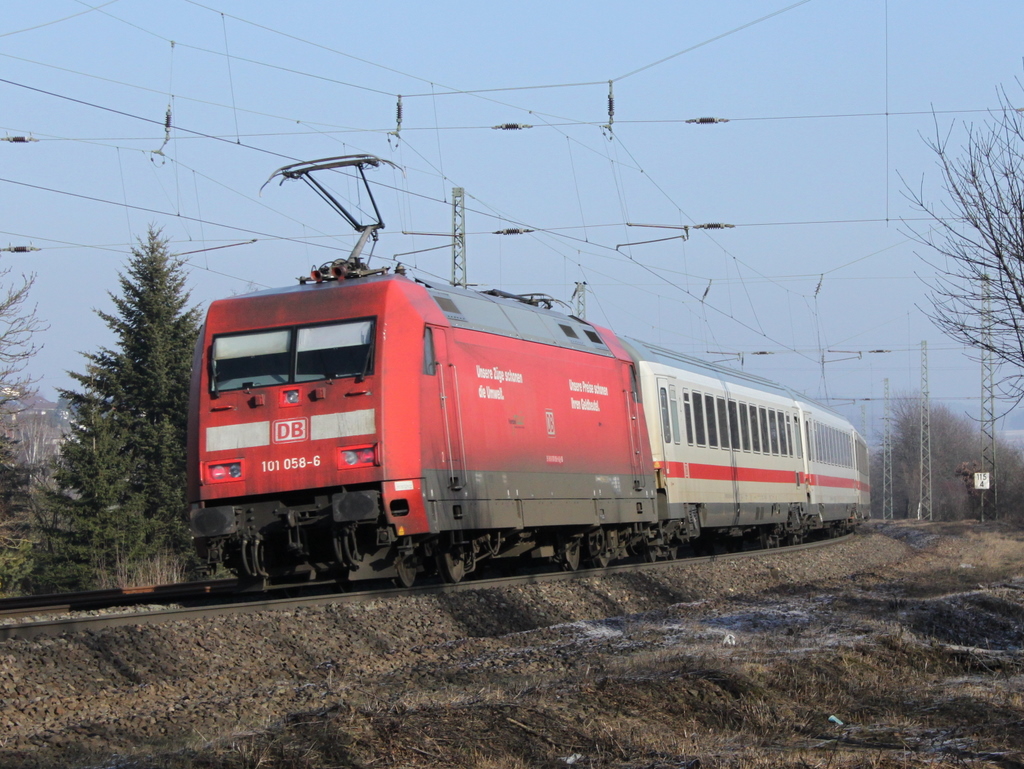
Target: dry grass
(903, 703)
(926, 671)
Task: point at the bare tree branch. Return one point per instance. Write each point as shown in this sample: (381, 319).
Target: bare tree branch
(979, 233)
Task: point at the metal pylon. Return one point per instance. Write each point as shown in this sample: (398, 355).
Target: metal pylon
(887, 458)
(580, 298)
(988, 404)
(924, 505)
(459, 277)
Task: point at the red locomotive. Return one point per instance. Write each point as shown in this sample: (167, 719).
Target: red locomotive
(363, 425)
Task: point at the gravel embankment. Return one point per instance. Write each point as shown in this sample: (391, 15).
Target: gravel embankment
(151, 688)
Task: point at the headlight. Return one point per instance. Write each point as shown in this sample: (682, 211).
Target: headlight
(220, 472)
(357, 456)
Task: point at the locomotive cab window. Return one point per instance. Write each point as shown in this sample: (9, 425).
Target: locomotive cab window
(251, 360)
(287, 356)
(334, 352)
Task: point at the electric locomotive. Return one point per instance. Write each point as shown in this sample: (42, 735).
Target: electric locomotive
(374, 425)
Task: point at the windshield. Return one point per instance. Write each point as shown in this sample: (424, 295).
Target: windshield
(251, 360)
(284, 356)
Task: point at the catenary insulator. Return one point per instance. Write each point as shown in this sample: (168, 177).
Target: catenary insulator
(512, 231)
(708, 120)
(20, 139)
(511, 127)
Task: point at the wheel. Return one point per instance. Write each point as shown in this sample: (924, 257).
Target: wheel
(406, 568)
(650, 552)
(597, 549)
(451, 564)
(570, 555)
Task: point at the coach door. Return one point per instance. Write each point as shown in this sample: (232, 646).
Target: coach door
(668, 409)
(447, 377)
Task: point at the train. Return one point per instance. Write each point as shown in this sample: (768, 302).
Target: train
(366, 425)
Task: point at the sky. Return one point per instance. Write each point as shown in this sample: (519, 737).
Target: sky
(830, 106)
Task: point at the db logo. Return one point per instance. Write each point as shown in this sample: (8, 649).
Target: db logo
(549, 420)
(291, 430)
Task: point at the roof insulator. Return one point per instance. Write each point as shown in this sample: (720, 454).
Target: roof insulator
(708, 120)
(511, 127)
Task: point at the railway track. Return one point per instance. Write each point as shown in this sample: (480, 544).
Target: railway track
(240, 602)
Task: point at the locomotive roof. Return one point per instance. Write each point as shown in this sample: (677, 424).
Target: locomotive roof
(509, 317)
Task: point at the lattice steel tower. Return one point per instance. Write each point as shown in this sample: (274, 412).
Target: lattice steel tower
(988, 403)
(459, 277)
(924, 505)
(580, 297)
(887, 458)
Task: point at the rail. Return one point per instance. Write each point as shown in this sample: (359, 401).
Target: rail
(244, 602)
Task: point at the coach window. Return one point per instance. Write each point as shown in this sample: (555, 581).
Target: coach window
(773, 431)
(723, 424)
(744, 427)
(666, 428)
(734, 426)
(709, 411)
(429, 356)
(688, 417)
(755, 433)
(698, 418)
(251, 360)
(765, 445)
(783, 445)
(334, 352)
(673, 412)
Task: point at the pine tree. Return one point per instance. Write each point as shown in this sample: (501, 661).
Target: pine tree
(123, 466)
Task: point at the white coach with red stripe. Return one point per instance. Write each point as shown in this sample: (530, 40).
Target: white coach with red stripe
(737, 450)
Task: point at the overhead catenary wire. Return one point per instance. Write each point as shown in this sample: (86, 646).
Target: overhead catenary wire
(434, 128)
(549, 124)
(58, 21)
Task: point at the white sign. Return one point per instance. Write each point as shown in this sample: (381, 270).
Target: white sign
(981, 480)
